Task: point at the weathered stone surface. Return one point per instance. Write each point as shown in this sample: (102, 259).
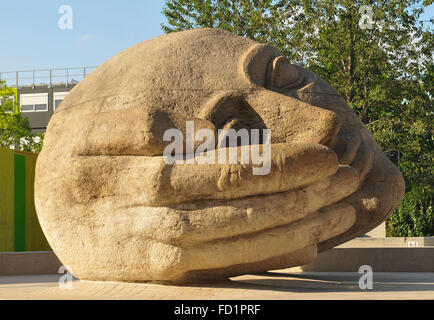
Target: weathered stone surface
(113, 209)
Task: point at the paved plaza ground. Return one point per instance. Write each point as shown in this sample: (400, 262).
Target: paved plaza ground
(280, 284)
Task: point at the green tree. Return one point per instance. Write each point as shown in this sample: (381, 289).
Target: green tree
(414, 217)
(414, 139)
(15, 130)
(378, 57)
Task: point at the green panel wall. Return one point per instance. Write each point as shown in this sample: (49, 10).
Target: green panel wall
(7, 200)
(20, 202)
(19, 225)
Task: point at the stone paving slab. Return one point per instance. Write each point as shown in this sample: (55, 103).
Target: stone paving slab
(274, 285)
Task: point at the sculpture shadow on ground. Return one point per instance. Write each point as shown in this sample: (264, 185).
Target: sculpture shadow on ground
(324, 282)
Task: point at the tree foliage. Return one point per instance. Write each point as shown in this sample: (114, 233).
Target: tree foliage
(15, 130)
(380, 60)
(414, 217)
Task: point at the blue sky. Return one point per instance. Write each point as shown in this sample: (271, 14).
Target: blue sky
(31, 38)
(100, 30)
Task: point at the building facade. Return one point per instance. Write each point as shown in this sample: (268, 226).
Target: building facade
(40, 92)
(39, 103)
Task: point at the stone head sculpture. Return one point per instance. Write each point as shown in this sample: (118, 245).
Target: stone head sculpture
(113, 209)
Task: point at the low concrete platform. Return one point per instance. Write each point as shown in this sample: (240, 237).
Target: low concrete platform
(275, 285)
(366, 242)
(33, 262)
(339, 259)
(380, 259)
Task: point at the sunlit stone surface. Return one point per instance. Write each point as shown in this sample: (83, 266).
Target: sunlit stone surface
(113, 209)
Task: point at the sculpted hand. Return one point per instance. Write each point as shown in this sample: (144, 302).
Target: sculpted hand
(204, 211)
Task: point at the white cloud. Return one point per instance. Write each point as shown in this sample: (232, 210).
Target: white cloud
(85, 39)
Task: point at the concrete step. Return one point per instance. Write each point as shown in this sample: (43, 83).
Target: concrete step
(33, 262)
(381, 259)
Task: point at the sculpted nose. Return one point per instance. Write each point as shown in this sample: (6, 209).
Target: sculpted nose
(319, 93)
(292, 120)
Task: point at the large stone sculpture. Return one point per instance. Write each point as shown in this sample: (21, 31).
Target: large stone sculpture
(112, 208)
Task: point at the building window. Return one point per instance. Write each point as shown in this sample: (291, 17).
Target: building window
(58, 98)
(27, 108)
(40, 107)
(37, 102)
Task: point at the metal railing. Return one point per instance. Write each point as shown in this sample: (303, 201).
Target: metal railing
(66, 76)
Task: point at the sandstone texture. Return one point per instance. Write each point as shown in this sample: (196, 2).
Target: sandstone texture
(112, 208)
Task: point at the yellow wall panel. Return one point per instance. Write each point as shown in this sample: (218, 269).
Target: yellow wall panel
(7, 199)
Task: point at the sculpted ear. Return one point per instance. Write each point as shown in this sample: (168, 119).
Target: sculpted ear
(255, 61)
(135, 131)
(282, 75)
